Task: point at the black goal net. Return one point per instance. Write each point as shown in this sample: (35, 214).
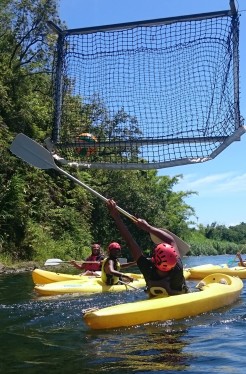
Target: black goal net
(147, 95)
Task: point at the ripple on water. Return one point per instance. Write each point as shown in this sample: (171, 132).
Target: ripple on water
(47, 334)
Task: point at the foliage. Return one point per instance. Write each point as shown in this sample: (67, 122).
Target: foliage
(201, 245)
(45, 246)
(43, 214)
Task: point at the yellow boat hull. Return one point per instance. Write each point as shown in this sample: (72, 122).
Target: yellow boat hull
(40, 276)
(199, 272)
(217, 290)
(95, 285)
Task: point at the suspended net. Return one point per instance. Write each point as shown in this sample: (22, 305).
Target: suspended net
(147, 95)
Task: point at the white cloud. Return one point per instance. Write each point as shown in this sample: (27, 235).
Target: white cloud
(214, 184)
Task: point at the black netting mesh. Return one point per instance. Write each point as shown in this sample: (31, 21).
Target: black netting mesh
(147, 96)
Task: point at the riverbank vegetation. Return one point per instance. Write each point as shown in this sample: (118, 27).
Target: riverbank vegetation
(43, 214)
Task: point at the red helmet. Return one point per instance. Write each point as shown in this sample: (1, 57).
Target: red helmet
(165, 257)
(114, 245)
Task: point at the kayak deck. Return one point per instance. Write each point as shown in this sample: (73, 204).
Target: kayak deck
(201, 271)
(217, 290)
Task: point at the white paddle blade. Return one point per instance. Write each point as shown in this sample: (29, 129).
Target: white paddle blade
(183, 247)
(36, 155)
(32, 152)
(52, 264)
(53, 261)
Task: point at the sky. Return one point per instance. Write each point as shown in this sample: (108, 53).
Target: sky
(220, 184)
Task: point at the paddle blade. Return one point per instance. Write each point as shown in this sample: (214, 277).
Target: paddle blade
(183, 247)
(53, 262)
(32, 152)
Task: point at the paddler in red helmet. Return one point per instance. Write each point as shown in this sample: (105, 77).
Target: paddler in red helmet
(111, 267)
(163, 273)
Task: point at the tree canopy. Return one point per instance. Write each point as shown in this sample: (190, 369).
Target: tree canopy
(42, 213)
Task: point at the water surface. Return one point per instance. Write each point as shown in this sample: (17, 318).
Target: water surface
(48, 335)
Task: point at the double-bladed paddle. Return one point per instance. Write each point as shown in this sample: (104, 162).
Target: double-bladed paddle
(57, 261)
(36, 155)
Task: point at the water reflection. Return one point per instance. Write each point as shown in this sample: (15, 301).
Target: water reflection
(154, 347)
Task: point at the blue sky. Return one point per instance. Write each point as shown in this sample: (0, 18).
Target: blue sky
(220, 183)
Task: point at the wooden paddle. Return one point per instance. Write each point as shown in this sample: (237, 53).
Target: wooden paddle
(36, 155)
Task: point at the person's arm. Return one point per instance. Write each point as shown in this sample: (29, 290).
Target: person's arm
(162, 235)
(78, 266)
(128, 264)
(240, 259)
(142, 224)
(125, 233)
(110, 269)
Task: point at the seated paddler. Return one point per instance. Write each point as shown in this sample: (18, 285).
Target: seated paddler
(111, 267)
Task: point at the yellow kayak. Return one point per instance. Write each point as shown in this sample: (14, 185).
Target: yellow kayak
(216, 291)
(95, 285)
(199, 272)
(40, 276)
(83, 284)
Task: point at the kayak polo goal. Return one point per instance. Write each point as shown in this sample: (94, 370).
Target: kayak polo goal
(147, 95)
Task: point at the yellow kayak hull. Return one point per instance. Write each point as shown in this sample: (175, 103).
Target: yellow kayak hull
(40, 276)
(95, 285)
(82, 284)
(217, 290)
(199, 272)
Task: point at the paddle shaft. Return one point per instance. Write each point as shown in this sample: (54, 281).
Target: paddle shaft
(59, 263)
(36, 155)
(127, 284)
(71, 177)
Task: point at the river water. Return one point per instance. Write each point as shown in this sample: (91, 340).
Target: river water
(48, 335)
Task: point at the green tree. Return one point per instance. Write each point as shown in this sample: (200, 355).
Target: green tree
(45, 214)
